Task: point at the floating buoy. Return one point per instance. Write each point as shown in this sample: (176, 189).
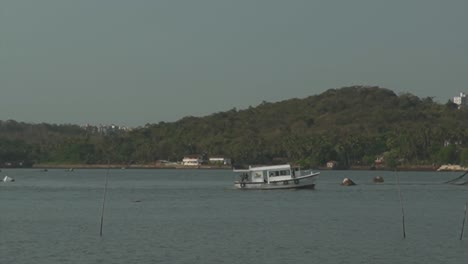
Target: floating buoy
(378, 179)
(347, 182)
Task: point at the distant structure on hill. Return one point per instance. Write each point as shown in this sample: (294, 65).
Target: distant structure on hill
(198, 160)
(461, 101)
(105, 129)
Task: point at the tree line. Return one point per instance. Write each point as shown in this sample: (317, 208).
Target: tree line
(352, 126)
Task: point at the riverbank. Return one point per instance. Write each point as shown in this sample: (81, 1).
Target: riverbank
(399, 168)
(125, 166)
(451, 167)
(227, 167)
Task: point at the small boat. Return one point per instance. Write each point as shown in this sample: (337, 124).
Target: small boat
(8, 179)
(275, 177)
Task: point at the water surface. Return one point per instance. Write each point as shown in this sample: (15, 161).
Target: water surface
(194, 216)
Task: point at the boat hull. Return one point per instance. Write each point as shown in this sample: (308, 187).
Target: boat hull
(293, 183)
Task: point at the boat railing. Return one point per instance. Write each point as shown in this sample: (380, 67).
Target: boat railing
(305, 172)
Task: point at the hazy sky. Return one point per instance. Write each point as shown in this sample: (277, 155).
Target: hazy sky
(144, 61)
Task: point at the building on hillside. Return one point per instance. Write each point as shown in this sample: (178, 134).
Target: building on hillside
(332, 164)
(192, 160)
(379, 160)
(452, 142)
(105, 129)
(461, 101)
(220, 160)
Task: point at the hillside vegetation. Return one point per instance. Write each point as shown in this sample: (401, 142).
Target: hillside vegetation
(350, 125)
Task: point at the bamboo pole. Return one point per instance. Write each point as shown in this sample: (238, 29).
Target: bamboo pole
(401, 204)
(457, 178)
(104, 202)
(463, 225)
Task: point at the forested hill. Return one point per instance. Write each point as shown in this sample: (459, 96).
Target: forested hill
(351, 125)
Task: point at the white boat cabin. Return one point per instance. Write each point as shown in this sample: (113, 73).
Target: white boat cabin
(267, 174)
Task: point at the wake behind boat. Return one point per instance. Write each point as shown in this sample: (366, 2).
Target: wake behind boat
(275, 177)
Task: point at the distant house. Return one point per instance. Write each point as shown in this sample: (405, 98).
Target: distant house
(192, 160)
(451, 142)
(461, 101)
(332, 164)
(220, 160)
(379, 160)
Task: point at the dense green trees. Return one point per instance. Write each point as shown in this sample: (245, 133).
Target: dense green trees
(351, 125)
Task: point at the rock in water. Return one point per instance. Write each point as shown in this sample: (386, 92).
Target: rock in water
(347, 182)
(378, 179)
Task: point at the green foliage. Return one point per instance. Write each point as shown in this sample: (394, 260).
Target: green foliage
(351, 125)
(15, 152)
(448, 155)
(391, 159)
(464, 157)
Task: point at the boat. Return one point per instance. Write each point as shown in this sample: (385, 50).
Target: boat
(275, 177)
(8, 179)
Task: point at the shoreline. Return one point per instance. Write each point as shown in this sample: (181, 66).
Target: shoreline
(45, 166)
(399, 168)
(442, 168)
(123, 166)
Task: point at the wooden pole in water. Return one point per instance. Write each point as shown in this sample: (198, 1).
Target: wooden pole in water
(104, 202)
(457, 178)
(463, 225)
(401, 204)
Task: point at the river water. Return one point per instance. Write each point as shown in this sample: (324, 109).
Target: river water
(195, 216)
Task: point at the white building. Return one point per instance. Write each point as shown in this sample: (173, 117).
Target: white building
(220, 160)
(332, 164)
(461, 100)
(192, 161)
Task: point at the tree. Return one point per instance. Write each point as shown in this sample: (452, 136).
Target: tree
(464, 157)
(448, 155)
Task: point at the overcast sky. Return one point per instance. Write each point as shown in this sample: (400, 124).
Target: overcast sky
(144, 61)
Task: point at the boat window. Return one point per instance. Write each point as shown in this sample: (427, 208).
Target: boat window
(279, 173)
(274, 173)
